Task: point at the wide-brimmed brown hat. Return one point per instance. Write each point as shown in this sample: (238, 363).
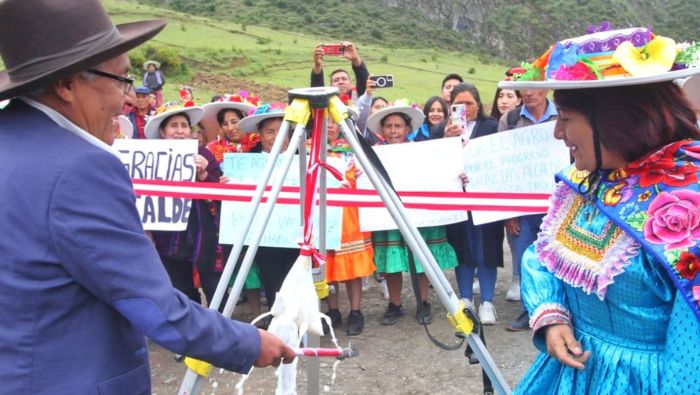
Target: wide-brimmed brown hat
(44, 40)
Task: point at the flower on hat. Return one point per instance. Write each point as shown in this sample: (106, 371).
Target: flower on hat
(654, 58)
(241, 97)
(562, 56)
(582, 70)
(268, 108)
(689, 56)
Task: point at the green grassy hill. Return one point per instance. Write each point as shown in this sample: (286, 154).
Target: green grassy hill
(223, 57)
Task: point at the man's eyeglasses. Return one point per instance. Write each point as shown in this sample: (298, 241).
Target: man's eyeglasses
(126, 81)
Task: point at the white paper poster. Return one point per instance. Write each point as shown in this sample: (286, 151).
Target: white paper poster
(284, 228)
(521, 160)
(433, 165)
(169, 160)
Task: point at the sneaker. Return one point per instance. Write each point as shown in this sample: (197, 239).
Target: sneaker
(392, 314)
(522, 323)
(487, 313)
(336, 320)
(424, 316)
(468, 304)
(356, 322)
(513, 294)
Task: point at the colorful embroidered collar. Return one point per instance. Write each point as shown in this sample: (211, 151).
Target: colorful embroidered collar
(656, 200)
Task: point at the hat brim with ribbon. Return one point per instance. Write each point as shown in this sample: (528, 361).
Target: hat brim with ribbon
(79, 59)
(374, 122)
(212, 109)
(265, 111)
(152, 129)
(602, 59)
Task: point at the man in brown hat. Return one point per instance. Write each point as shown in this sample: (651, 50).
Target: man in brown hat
(81, 283)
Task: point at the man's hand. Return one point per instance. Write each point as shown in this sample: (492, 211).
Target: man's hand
(562, 345)
(350, 53)
(369, 86)
(513, 226)
(318, 59)
(272, 351)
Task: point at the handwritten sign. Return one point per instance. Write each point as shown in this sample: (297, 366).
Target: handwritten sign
(433, 165)
(519, 160)
(170, 160)
(284, 228)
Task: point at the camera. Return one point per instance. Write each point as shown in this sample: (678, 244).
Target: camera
(383, 81)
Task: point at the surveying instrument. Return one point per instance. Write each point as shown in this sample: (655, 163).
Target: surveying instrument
(317, 103)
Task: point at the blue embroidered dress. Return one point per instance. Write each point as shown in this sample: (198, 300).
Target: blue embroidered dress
(622, 270)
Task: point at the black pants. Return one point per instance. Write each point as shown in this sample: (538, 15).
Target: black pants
(180, 273)
(274, 264)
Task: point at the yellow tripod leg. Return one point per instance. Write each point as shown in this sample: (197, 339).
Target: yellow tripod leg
(200, 367)
(462, 324)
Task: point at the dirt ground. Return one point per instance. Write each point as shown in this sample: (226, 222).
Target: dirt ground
(397, 359)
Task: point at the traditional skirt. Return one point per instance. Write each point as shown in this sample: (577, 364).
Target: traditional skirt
(391, 251)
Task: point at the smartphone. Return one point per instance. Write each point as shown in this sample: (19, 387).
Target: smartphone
(333, 49)
(459, 115)
(383, 81)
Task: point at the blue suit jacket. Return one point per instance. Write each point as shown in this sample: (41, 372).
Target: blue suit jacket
(80, 284)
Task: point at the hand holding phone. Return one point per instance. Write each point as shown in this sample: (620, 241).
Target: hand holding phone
(459, 115)
(333, 49)
(382, 81)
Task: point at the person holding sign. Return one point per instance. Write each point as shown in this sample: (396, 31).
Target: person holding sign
(227, 112)
(479, 248)
(81, 283)
(522, 231)
(355, 257)
(391, 254)
(273, 263)
(193, 258)
(612, 282)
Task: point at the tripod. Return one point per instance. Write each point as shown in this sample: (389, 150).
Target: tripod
(316, 101)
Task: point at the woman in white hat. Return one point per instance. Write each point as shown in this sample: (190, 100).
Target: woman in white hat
(612, 284)
(391, 254)
(228, 113)
(196, 247)
(154, 80)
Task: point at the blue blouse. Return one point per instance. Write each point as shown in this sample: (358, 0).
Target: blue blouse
(621, 303)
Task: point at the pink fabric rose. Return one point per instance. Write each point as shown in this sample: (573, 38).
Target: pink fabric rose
(674, 219)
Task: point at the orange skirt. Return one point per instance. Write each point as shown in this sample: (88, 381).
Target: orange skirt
(355, 258)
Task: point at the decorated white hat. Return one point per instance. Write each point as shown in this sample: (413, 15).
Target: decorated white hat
(152, 129)
(606, 58)
(242, 102)
(374, 122)
(266, 111)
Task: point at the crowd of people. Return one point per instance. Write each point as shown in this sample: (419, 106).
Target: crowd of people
(239, 123)
(609, 278)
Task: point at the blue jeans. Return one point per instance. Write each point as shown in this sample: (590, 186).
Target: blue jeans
(529, 227)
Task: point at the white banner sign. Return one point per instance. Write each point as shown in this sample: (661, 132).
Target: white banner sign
(284, 228)
(519, 160)
(170, 160)
(433, 165)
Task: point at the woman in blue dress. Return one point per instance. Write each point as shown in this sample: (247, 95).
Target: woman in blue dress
(612, 283)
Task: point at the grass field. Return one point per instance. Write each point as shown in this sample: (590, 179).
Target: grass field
(282, 58)
(265, 56)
